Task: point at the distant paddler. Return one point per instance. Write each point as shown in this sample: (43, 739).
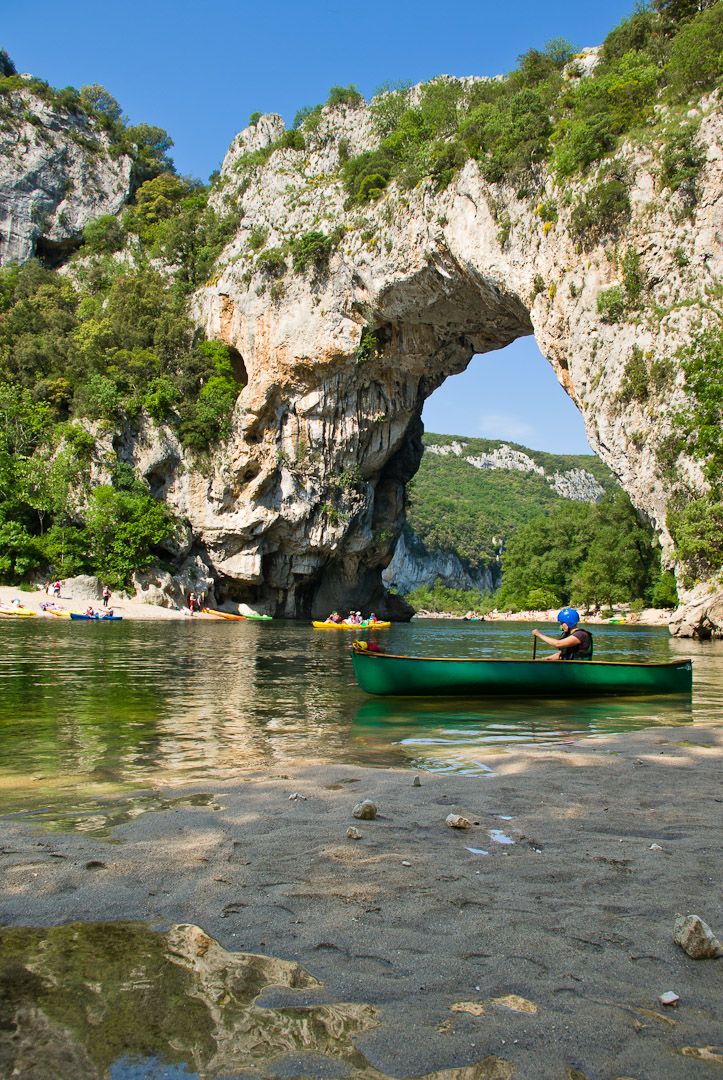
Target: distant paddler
(575, 643)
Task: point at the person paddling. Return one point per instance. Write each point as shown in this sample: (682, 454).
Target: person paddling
(574, 644)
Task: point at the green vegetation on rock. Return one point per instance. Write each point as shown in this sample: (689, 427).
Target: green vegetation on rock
(544, 111)
(456, 507)
(85, 353)
(695, 523)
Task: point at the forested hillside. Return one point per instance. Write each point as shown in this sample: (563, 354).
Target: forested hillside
(553, 528)
(469, 503)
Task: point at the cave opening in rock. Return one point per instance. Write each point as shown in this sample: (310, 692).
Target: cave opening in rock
(53, 253)
(237, 365)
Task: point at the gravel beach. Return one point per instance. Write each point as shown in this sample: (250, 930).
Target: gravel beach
(533, 945)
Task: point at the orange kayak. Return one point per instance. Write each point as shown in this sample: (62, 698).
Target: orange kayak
(221, 614)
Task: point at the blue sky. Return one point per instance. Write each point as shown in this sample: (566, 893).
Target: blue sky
(199, 71)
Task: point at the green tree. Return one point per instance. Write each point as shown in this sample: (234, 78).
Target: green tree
(696, 54)
(7, 67)
(97, 98)
(151, 145)
(124, 526)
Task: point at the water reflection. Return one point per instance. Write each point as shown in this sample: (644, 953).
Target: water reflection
(445, 735)
(92, 998)
(90, 712)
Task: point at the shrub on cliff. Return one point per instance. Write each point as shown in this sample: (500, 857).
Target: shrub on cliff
(605, 208)
(696, 54)
(311, 249)
(344, 95)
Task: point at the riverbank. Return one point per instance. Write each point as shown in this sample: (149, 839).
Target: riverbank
(79, 600)
(533, 945)
(647, 617)
(139, 608)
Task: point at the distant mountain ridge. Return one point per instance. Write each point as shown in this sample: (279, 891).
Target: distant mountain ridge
(470, 495)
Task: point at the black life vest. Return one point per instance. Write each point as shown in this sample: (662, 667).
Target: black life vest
(583, 651)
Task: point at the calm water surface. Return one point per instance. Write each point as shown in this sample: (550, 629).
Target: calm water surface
(93, 714)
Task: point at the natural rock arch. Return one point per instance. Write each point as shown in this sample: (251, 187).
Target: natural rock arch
(306, 501)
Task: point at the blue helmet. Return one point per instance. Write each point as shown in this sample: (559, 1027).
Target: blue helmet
(569, 616)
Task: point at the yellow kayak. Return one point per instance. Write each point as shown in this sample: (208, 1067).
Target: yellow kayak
(8, 609)
(349, 625)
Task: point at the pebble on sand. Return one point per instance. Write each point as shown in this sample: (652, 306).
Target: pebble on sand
(366, 810)
(669, 998)
(456, 821)
(416, 782)
(353, 833)
(695, 937)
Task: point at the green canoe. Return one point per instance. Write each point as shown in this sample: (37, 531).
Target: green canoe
(381, 673)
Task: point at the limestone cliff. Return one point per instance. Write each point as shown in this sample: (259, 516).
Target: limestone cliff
(57, 173)
(307, 503)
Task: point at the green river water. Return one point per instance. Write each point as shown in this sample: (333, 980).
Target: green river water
(93, 715)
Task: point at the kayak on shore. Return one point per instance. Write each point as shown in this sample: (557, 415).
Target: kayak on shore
(60, 613)
(17, 611)
(382, 673)
(232, 615)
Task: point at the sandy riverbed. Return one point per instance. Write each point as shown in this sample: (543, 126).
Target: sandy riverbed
(433, 927)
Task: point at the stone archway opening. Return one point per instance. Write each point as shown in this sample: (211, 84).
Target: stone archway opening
(512, 395)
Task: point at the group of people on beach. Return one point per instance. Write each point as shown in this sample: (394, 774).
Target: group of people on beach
(196, 602)
(55, 588)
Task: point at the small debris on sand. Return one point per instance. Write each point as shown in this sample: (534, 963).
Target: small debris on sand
(456, 821)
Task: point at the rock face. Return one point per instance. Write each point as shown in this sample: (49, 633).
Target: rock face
(56, 175)
(308, 501)
(412, 565)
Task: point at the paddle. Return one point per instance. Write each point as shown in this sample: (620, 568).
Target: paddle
(534, 647)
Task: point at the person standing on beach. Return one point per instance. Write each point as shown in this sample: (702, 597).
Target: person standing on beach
(106, 595)
(574, 644)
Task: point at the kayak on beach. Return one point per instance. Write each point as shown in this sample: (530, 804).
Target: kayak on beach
(382, 673)
(349, 625)
(15, 609)
(231, 615)
(61, 613)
